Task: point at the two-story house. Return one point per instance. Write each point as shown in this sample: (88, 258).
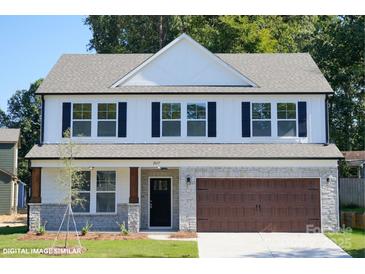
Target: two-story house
(185, 139)
(9, 141)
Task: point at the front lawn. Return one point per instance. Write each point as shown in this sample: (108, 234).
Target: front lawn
(353, 242)
(102, 248)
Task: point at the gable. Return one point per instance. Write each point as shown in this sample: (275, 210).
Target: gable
(184, 62)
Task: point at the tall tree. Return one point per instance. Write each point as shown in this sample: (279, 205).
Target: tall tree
(24, 113)
(338, 45)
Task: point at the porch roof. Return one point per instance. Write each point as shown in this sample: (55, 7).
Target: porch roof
(189, 151)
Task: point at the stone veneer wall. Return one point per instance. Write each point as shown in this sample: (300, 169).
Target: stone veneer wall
(145, 174)
(329, 190)
(52, 214)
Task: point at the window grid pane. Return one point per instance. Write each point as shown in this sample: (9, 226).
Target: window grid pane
(171, 111)
(287, 124)
(107, 111)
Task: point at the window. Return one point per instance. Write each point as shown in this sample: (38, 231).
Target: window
(81, 192)
(105, 191)
(261, 119)
(287, 114)
(81, 120)
(171, 119)
(107, 120)
(196, 119)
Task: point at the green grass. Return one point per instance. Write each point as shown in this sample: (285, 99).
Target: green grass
(353, 209)
(353, 242)
(103, 249)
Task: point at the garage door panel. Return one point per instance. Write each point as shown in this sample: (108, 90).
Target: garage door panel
(238, 204)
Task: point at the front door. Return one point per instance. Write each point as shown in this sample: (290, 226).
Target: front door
(160, 202)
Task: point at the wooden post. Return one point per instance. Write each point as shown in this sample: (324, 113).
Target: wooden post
(133, 185)
(36, 185)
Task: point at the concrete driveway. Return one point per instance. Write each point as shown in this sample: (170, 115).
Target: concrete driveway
(267, 245)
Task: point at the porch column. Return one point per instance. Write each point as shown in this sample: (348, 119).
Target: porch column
(133, 207)
(34, 206)
(36, 185)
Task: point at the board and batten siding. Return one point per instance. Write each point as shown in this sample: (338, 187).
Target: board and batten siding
(7, 163)
(228, 117)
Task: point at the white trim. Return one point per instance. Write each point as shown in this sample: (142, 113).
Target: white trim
(107, 120)
(171, 44)
(148, 163)
(172, 120)
(93, 192)
(198, 120)
(171, 202)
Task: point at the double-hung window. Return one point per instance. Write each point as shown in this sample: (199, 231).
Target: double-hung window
(261, 119)
(107, 120)
(80, 193)
(287, 119)
(196, 119)
(81, 120)
(171, 119)
(105, 191)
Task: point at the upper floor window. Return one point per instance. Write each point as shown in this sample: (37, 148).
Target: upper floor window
(81, 189)
(287, 123)
(196, 119)
(81, 120)
(107, 120)
(261, 119)
(171, 119)
(105, 191)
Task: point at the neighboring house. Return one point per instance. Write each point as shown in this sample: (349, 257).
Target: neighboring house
(185, 139)
(9, 141)
(356, 161)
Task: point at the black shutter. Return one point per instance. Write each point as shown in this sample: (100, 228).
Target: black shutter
(212, 119)
(122, 119)
(155, 119)
(66, 117)
(246, 119)
(302, 119)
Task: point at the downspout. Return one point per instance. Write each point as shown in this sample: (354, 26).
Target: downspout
(327, 119)
(42, 121)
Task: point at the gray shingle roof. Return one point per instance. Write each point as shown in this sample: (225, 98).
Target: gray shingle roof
(273, 73)
(9, 135)
(190, 151)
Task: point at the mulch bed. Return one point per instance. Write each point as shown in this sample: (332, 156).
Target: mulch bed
(89, 236)
(183, 235)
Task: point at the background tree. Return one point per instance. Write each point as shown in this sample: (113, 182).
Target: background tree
(24, 113)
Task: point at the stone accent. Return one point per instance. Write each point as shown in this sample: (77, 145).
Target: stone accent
(53, 214)
(145, 174)
(329, 190)
(34, 216)
(133, 217)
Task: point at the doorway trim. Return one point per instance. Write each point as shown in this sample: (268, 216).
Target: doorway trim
(171, 202)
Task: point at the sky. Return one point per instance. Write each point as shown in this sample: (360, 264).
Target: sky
(31, 45)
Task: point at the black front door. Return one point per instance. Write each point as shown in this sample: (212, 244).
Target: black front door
(160, 202)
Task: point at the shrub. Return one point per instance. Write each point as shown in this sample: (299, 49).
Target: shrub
(41, 229)
(86, 228)
(123, 228)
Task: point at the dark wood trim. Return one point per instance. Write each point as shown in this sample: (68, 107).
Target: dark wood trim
(133, 185)
(36, 185)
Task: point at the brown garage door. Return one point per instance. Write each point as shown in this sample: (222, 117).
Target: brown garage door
(251, 205)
